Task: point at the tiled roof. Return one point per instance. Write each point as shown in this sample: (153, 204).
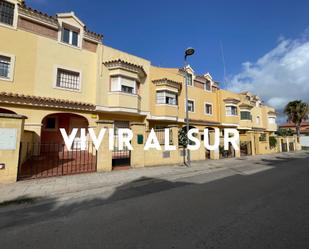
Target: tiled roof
(119, 62)
(203, 122)
(200, 78)
(37, 12)
(93, 34)
(166, 80)
(287, 125)
(244, 105)
(7, 97)
(272, 113)
(27, 11)
(52, 19)
(231, 100)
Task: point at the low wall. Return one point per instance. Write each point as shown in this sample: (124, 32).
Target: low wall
(11, 130)
(304, 141)
(27, 140)
(156, 158)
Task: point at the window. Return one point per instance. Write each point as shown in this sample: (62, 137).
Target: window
(74, 38)
(189, 79)
(271, 120)
(50, 123)
(208, 109)
(68, 79)
(127, 89)
(70, 36)
(245, 115)
(231, 110)
(66, 35)
(5, 67)
(7, 13)
(208, 86)
(122, 84)
(166, 97)
(190, 105)
(258, 120)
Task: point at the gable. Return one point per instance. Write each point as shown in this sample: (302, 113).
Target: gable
(70, 19)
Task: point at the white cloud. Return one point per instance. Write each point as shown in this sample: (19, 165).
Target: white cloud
(281, 75)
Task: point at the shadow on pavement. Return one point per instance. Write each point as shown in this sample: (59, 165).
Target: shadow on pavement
(279, 160)
(26, 214)
(51, 209)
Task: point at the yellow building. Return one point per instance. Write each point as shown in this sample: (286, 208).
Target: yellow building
(58, 74)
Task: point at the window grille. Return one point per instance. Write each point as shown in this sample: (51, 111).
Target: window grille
(208, 109)
(208, 86)
(190, 106)
(231, 110)
(7, 12)
(189, 79)
(166, 97)
(5, 65)
(245, 115)
(68, 79)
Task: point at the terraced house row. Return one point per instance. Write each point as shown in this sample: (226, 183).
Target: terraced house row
(55, 73)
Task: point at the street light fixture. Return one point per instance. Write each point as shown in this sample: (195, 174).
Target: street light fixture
(189, 51)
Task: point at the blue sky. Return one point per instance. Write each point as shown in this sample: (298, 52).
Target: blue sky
(160, 30)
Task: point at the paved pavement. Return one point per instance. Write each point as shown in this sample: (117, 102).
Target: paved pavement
(76, 186)
(257, 203)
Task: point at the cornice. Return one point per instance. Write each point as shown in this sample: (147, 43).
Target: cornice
(121, 64)
(231, 100)
(168, 82)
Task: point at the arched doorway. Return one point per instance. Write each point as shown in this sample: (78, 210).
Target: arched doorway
(51, 157)
(52, 124)
(6, 111)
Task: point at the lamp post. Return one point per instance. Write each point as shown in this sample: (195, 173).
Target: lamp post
(189, 51)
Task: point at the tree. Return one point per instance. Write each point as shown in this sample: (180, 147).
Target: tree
(284, 132)
(297, 111)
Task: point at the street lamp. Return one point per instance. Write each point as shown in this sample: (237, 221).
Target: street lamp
(189, 51)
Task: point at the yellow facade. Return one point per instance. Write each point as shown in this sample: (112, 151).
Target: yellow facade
(35, 74)
(58, 67)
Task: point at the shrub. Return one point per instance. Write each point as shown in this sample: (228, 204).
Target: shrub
(285, 132)
(263, 137)
(272, 142)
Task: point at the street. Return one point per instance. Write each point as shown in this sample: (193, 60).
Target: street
(266, 209)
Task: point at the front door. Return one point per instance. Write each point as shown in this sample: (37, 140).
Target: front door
(121, 158)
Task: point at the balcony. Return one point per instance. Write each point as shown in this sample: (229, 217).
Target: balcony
(165, 110)
(124, 102)
(245, 123)
(272, 127)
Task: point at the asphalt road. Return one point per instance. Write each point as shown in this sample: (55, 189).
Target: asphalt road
(269, 209)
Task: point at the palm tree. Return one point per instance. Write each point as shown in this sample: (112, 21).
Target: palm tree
(297, 111)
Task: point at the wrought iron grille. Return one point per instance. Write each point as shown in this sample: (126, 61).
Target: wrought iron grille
(7, 12)
(68, 79)
(5, 63)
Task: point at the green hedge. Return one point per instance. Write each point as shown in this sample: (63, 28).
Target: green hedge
(272, 142)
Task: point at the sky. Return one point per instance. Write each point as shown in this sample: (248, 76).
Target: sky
(256, 45)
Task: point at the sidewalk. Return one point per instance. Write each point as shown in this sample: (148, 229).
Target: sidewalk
(76, 186)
